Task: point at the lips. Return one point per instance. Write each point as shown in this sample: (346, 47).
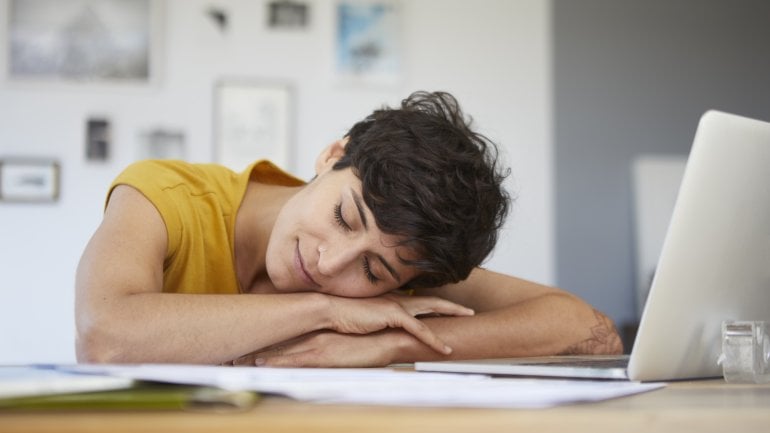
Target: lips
(299, 266)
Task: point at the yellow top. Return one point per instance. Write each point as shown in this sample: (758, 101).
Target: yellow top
(198, 204)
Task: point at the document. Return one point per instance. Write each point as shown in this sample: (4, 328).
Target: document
(51, 387)
(24, 381)
(380, 386)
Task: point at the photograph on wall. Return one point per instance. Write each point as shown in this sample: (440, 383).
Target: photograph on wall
(369, 46)
(162, 143)
(80, 40)
(29, 180)
(288, 14)
(252, 121)
(98, 139)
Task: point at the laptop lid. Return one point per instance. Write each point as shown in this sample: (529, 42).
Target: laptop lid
(714, 265)
(715, 261)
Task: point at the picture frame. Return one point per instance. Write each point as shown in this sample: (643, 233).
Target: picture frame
(253, 120)
(29, 180)
(108, 42)
(163, 143)
(98, 139)
(369, 45)
(288, 14)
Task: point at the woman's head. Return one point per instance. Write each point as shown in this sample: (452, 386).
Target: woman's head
(432, 182)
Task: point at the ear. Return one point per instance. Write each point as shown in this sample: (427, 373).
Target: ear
(330, 155)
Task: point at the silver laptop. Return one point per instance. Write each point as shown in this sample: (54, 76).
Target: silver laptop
(714, 266)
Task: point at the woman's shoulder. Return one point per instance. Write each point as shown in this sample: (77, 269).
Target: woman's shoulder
(159, 168)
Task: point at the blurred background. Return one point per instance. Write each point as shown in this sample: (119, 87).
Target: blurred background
(593, 102)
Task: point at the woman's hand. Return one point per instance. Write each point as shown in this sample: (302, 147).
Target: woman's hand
(327, 349)
(368, 315)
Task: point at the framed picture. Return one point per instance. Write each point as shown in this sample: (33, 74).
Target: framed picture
(111, 41)
(369, 46)
(163, 143)
(29, 180)
(252, 120)
(98, 137)
(287, 14)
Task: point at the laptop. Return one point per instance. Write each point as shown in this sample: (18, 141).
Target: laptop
(714, 266)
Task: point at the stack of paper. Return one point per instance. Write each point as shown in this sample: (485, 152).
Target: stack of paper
(381, 386)
(22, 381)
(58, 388)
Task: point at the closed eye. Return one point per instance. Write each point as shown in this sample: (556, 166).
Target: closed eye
(339, 219)
(368, 272)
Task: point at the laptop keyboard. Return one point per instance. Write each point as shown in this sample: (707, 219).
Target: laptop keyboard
(621, 362)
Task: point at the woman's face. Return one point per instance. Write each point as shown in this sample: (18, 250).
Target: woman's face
(326, 240)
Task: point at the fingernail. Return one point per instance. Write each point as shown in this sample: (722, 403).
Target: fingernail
(447, 350)
(259, 361)
(470, 311)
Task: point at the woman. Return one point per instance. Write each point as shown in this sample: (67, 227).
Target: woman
(317, 274)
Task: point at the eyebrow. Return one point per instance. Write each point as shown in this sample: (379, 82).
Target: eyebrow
(389, 268)
(360, 207)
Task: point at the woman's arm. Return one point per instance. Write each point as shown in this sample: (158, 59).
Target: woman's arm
(513, 318)
(122, 316)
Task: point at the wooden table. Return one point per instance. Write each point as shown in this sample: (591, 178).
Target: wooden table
(700, 406)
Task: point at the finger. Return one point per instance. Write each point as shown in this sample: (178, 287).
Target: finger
(301, 359)
(244, 360)
(278, 351)
(423, 333)
(427, 305)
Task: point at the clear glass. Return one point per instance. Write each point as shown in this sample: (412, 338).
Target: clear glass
(745, 351)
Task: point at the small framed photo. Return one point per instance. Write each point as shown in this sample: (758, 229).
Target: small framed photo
(288, 14)
(163, 143)
(29, 180)
(252, 121)
(97, 139)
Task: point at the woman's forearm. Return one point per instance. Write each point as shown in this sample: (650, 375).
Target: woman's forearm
(552, 324)
(206, 329)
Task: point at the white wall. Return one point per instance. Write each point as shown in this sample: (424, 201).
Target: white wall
(492, 54)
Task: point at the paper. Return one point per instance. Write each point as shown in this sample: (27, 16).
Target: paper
(381, 386)
(21, 381)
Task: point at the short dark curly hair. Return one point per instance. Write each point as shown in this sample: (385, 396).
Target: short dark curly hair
(431, 180)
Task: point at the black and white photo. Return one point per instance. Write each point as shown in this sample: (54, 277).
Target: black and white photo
(80, 40)
(29, 180)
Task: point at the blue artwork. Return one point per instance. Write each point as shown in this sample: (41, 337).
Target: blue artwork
(368, 41)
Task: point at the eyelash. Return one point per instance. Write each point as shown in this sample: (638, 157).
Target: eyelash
(338, 217)
(341, 222)
(368, 271)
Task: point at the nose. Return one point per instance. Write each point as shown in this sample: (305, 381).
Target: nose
(335, 258)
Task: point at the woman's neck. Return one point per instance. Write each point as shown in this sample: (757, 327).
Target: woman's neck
(253, 225)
